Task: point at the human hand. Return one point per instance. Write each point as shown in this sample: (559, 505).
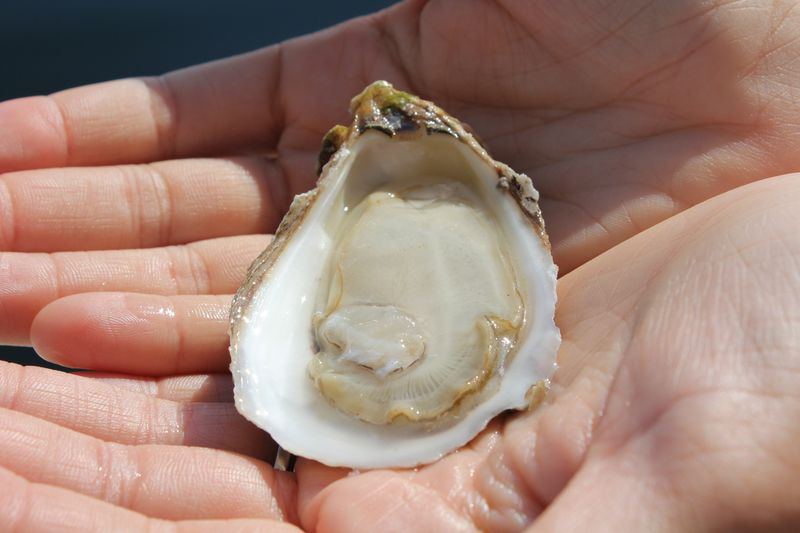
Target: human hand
(108, 453)
(622, 119)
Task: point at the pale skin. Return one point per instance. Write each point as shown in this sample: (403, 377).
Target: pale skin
(662, 136)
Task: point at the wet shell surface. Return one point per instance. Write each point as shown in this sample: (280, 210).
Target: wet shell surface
(405, 301)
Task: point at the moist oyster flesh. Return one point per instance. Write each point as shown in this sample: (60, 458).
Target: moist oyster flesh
(404, 302)
(418, 278)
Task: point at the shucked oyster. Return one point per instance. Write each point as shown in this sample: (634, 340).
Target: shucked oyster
(404, 302)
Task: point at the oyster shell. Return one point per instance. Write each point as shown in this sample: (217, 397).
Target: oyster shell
(404, 302)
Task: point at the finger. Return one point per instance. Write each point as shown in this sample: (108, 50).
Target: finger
(210, 388)
(31, 506)
(140, 206)
(135, 333)
(28, 282)
(171, 482)
(227, 105)
(383, 501)
(261, 101)
(312, 479)
(117, 415)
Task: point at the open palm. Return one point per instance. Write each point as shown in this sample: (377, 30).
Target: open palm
(679, 368)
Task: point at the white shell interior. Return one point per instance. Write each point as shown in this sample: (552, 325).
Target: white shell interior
(273, 349)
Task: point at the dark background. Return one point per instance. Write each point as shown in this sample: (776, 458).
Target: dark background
(47, 45)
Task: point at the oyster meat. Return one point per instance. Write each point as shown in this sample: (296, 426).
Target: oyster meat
(404, 302)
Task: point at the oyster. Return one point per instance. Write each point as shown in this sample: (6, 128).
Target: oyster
(404, 302)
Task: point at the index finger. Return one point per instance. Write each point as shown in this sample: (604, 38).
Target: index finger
(277, 99)
(223, 106)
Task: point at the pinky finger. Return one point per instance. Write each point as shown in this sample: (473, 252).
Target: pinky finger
(27, 506)
(131, 333)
